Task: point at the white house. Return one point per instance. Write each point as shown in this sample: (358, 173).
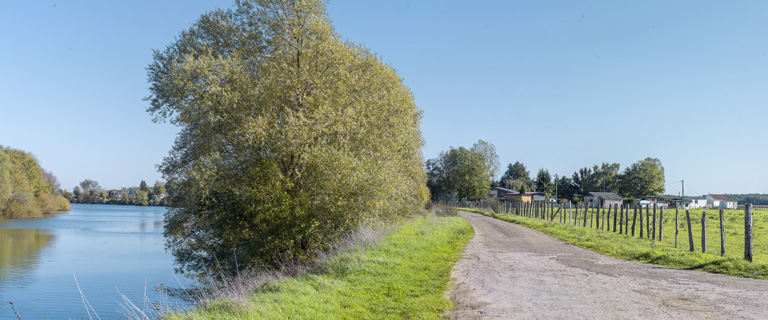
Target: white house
(720, 201)
(695, 202)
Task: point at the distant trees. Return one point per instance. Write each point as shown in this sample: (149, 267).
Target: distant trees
(490, 159)
(544, 182)
(517, 177)
(466, 172)
(26, 190)
(643, 178)
(90, 192)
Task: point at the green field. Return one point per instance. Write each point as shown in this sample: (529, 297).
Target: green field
(664, 252)
(403, 277)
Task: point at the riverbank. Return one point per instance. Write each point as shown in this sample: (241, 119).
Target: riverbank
(403, 277)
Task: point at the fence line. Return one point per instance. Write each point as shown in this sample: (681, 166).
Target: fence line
(596, 217)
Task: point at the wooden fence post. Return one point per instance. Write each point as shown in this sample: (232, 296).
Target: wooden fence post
(661, 224)
(621, 220)
(570, 213)
(677, 225)
(586, 211)
(722, 234)
(615, 213)
(648, 221)
(608, 219)
(641, 223)
(690, 232)
(704, 232)
(653, 226)
(634, 219)
(748, 232)
(597, 216)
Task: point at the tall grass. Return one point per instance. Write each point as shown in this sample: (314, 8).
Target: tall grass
(401, 275)
(664, 252)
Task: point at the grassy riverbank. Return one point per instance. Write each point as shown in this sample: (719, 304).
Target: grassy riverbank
(661, 253)
(403, 277)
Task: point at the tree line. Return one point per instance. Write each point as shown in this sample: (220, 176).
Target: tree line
(753, 198)
(26, 190)
(469, 174)
(89, 192)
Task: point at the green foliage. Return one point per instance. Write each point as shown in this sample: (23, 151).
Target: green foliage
(404, 277)
(289, 139)
(544, 182)
(461, 170)
(26, 190)
(142, 198)
(753, 198)
(643, 178)
(517, 177)
(490, 159)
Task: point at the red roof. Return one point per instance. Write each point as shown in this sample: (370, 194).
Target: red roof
(718, 197)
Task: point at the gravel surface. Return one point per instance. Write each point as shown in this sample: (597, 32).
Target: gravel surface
(512, 272)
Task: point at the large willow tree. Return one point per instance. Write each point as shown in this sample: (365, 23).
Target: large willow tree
(290, 137)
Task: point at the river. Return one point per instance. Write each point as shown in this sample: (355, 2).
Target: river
(110, 249)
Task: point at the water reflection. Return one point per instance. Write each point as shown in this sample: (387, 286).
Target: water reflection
(108, 248)
(19, 251)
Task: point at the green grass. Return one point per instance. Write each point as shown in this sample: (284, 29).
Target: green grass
(664, 252)
(404, 277)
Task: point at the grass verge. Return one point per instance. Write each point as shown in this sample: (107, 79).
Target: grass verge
(403, 277)
(628, 247)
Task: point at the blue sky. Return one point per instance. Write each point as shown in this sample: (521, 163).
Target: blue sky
(558, 85)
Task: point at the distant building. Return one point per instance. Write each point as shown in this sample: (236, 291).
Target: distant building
(499, 193)
(603, 199)
(695, 202)
(537, 196)
(517, 197)
(649, 201)
(720, 201)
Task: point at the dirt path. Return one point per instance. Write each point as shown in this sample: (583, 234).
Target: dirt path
(512, 272)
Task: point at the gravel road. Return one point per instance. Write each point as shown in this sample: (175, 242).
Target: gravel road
(512, 272)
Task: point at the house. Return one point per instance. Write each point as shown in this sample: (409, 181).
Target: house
(720, 201)
(695, 202)
(499, 193)
(517, 197)
(537, 196)
(650, 201)
(603, 199)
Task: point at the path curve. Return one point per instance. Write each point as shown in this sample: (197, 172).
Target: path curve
(512, 272)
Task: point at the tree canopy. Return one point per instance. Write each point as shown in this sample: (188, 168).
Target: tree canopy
(643, 178)
(466, 172)
(517, 177)
(290, 137)
(544, 182)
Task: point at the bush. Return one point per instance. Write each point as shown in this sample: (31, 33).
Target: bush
(429, 205)
(496, 207)
(444, 210)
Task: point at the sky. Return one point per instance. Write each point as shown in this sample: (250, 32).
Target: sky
(556, 85)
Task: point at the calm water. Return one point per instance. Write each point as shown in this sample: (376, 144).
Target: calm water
(108, 248)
